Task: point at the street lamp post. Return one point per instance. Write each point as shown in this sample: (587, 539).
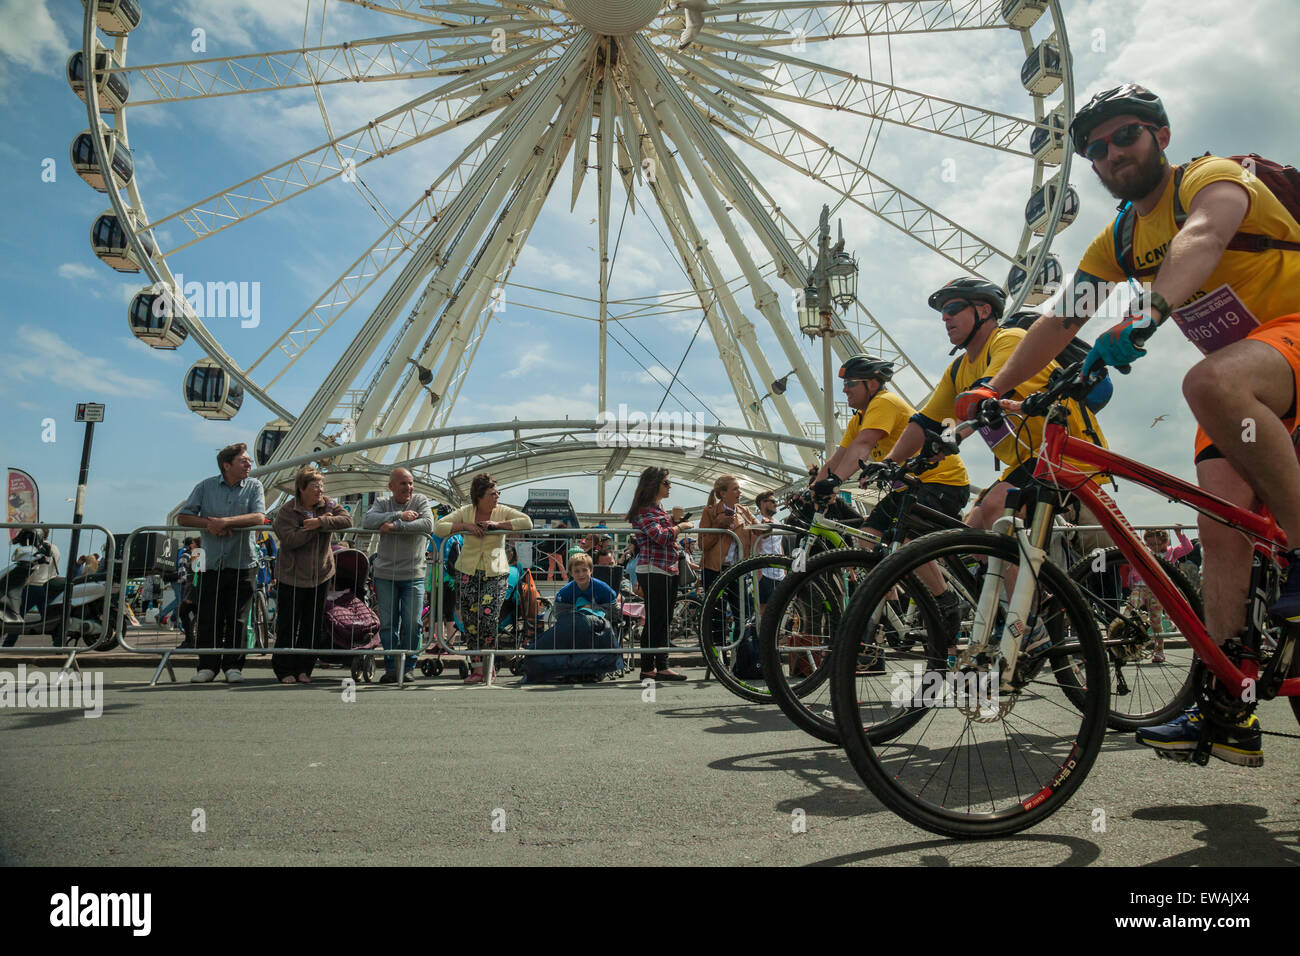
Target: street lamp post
(832, 282)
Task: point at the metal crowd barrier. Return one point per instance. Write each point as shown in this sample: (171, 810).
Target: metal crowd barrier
(268, 626)
(435, 605)
(13, 622)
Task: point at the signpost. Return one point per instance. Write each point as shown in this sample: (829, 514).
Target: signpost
(90, 413)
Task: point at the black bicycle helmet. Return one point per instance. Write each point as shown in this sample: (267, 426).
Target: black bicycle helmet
(1127, 99)
(863, 365)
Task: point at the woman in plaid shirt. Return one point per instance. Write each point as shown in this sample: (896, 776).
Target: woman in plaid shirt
(655, 537)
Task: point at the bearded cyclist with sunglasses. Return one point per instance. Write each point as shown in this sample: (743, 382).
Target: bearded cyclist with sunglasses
(1233, 269)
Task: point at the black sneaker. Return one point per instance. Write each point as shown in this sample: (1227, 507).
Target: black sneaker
(389, 677)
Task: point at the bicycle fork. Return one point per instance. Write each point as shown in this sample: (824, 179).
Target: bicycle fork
(1020, 616)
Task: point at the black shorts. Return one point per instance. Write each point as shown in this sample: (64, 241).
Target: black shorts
(948, 499)
(1023, 477)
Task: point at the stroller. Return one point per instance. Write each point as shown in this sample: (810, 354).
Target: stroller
(350, 623)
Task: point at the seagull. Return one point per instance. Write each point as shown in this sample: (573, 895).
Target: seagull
(694, 20)
(1158, 420)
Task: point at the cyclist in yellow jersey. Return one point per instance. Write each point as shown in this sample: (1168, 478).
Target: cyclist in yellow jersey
(971, 308)
(880, 418)
(1240, 306)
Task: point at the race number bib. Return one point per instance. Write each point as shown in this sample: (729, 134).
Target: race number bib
(1215, 320)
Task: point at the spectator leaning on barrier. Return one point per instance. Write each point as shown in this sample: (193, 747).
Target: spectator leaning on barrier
(718, 551)
(482, 569)
(223, 506)
(655, 538)
(304, 567)
(399, 567)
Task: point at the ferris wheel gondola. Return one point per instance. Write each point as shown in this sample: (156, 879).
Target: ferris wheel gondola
(210, 392)
(113, 87)
(154, 321)
(86, 165)
(116, 17)
(112, 245)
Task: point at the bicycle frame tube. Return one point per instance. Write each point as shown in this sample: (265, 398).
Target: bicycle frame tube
(1267, 537)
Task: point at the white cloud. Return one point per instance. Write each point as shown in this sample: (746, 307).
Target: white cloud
(51, 360)
(75, 270)
(31, 38)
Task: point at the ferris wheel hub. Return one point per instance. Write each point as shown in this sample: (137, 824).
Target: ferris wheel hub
(614, 17)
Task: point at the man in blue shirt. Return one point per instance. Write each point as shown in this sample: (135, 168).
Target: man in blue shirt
(222, 506)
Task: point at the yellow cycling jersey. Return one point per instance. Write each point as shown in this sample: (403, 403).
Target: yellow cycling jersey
(1023, 442)
(1246, 289)
(890, 414)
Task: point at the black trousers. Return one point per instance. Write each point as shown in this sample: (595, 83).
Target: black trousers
(224, 597)
(659, 590)
(299, 622)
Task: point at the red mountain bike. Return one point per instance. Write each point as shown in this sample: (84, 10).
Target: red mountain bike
(1007, 735)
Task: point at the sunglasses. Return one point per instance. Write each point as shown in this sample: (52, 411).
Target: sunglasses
(667, 482)
(854, 382)
(953, 307)
(1124, 136)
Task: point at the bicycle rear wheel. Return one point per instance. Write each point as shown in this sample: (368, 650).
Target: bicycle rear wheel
(1152, 680)
(976, 761)
(723, 627)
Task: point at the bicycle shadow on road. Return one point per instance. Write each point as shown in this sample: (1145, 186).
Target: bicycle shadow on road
(1081, 852)
(735, 719)
(837, 790)
(1233, 835)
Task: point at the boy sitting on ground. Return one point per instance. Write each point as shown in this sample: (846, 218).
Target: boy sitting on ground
(584, 590)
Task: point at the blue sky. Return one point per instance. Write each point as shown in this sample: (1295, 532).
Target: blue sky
(63, 315)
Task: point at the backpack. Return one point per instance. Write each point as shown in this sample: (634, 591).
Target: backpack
(748, 659)
(528, 601)
(582, 631)
(1282, 181)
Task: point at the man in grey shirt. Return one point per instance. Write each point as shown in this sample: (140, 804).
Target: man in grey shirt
(221, 506)
(399, 566)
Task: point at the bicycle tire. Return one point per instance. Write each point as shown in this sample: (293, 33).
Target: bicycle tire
(1159, 692)
(1052, 772)
(721, 660)
(262, 637)
(793, 609)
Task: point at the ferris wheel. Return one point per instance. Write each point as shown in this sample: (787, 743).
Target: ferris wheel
(687, 109)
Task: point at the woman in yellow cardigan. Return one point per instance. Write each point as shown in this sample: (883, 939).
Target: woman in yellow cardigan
(482, 570)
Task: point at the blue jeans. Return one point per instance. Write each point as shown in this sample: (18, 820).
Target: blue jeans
(400, 604)
(176, 599)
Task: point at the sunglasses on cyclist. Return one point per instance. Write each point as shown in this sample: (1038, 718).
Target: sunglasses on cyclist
(955, 306)
(854, 382)
(1124, 136)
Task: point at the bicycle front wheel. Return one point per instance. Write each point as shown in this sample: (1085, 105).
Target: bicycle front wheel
(987, 754)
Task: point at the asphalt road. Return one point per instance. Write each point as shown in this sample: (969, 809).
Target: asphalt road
(584, 775)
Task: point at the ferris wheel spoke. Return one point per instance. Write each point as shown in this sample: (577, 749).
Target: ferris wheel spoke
(377, 59)
(482, 276)
(398, 129)
(787, 141)
(426, 12)
(467, 212)
(834, 18)
(824, 87)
